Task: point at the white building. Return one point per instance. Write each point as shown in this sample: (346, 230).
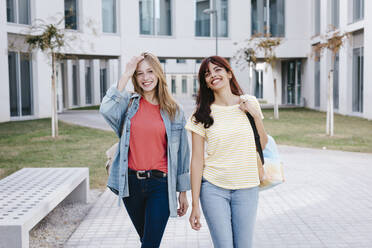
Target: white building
(110, 32)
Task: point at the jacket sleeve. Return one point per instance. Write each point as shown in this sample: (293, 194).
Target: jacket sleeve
(113, 106)
(183, 168)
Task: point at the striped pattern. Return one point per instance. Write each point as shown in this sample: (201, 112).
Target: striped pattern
(231, 161)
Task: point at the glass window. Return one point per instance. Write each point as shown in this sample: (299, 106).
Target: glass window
(203, 22)
(316, 17)
(103, 79)
(181, 61)
(163, 61)
(358, 10)
(10, 11)
(267, 17)
(195, 85)
(109, 16)
(184, 85)
(173, 85)
(88, 82)
(276, 12)
(155, 17)
(24, 11)
(222, 13)
(317, 81)
(357, 88)
(18, 11)
(71, 14)
(20, 84)
(335, 13)
(75, 87)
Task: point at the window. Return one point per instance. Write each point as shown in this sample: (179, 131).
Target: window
(18, 11)
(163, 61)
(184, 85)
(336, 82)
(71, 10)
(109, 16)
(103, 79)
(195, 85)
(181, 61)
(316, 17)
(75, 84)
(173, 85)
(267, 17)
(204, 24)
(155, 17)
(317, 81)
(358, 10)
(335, 13)
(88, 82)
(258, 88)
(20, 84)
(198, 61)
(358, 70)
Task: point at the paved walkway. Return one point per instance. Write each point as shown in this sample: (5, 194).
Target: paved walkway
(325, 202)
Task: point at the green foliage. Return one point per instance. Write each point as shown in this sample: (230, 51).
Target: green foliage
(258, 47)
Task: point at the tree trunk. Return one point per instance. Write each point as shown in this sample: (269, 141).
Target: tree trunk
(330, 112)
(54, 99)
(276, 105)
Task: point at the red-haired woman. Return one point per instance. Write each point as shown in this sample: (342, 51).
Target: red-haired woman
(227, 179)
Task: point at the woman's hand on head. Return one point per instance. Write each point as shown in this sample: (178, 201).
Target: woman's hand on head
(245, 106)
(130, 68)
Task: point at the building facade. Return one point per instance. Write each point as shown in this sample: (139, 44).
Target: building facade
(107, 33)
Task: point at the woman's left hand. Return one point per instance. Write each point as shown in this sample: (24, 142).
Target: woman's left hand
(246, 107)
(184, 205)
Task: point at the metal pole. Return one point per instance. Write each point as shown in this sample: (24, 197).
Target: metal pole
(216, 32)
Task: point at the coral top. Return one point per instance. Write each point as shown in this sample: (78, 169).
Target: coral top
(148, 139)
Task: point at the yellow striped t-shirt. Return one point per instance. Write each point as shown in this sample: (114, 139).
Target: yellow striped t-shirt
(230, 161)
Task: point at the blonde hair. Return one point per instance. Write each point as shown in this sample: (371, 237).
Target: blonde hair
(164, 97)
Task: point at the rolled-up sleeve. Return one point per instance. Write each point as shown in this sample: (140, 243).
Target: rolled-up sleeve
(113, 106)
(183, 169)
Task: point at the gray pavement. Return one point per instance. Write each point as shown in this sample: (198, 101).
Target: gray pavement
(326, 201)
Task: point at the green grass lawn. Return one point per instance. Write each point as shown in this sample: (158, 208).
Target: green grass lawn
(29, 144)
(303, 127)
(93, 107)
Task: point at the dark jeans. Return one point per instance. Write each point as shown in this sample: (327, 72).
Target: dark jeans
(148, 208)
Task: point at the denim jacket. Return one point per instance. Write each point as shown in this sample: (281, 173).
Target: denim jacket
(114, 109)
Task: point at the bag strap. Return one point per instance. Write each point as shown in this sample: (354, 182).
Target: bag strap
(256, 137)
(125, 113)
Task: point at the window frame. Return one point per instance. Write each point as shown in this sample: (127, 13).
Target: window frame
(116, 31)
(213, 5)
(154, 28)
(267, 20)
(18, 79)
(16, 12)
(77, 16)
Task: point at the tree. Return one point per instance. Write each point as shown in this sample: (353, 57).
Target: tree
(261, 47)
(49, 38)
(332, 41)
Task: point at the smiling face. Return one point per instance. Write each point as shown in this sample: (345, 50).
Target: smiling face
(146, 77)
(217, 77)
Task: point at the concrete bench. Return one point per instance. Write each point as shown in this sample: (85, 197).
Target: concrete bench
(29, 194)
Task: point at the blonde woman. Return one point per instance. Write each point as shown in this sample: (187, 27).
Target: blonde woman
(152, 162)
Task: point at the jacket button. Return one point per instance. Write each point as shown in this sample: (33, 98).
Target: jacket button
(122, 175)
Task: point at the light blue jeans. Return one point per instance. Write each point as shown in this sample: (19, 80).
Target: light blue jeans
(230, 214)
